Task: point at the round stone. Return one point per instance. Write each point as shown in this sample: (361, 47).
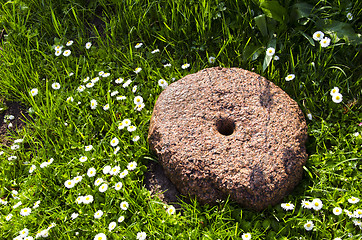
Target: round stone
(229, 132)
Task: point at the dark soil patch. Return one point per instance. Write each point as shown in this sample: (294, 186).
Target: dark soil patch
(20, 115)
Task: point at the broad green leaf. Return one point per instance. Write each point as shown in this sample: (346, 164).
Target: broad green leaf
(339, 30)
(300, 10)
(275, 11)
(261, 24)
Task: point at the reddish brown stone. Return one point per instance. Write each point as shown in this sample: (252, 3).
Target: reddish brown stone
(223, 132)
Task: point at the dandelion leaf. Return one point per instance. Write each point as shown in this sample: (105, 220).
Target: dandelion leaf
(300, 10)
(274, 10)
(340, 30)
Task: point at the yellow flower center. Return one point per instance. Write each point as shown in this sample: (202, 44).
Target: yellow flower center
(337, 97)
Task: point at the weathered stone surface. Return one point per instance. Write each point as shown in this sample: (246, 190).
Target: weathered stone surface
(223, 132)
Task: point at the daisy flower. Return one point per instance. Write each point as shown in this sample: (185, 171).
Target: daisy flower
(121, 98)
(100, 236)
(69, 183)
(131, 128)
(317, 204)
(17, 205)
(34, 92)
(123, 174)
(88, 199)
(88, 148)
(167, 65)
(94, 80)
(212, 60)
(287, 206)
(155, 51)
(23, 233)
(98, 181)
(337, 211)
(15, 147)
(124, 205)
(318, 35)
(114, 93)
(66, 53)
(349, 214)
(120, 219)
(101, 73)
(106, 169)
(98, 214)
(106, 107)
(8, 217)
(114, 142)
(357, 213)
(325, 42)
(106, 75)
(357, 222)
(36, 204)
(86, 79)
(88, 45)
(83, 159)
(276, 58)
(77, 179)
(132, 166)
(138, 100)
(134, 89)
(141, 236)
(11, 158)
(334, 91)
(19, 140)
(116, 150)
(81, 88)
(126, 122)
(171, 210)
(118, 186)
(138, 45)
(162, 83)
(93, 104)
(74, 216)
(353, 200)
(58, 47)
(349, 16)
(25, 212)
(137, 70)
(184, 66)
(32, 168)
(270, 51)
(309, 225)
(112, 225)
(135, 138)
(70, 99)
(246, 236)
(79, 199)
(119, 80)
(337, 98)
(115, 170)
(89, 85)
(290, 77)
(69, 43)
(307, 204)
(128, 82)
(58, 52)
(103, 187)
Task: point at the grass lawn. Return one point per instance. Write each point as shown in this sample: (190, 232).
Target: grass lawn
(76, 170)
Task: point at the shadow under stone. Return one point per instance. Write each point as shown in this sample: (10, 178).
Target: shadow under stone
(159, 185)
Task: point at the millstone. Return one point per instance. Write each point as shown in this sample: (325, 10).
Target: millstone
(229, 132)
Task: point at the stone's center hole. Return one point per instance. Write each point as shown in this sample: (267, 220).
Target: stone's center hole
(225, 126)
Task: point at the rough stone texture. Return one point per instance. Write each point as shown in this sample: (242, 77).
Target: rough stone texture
(223, 132)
